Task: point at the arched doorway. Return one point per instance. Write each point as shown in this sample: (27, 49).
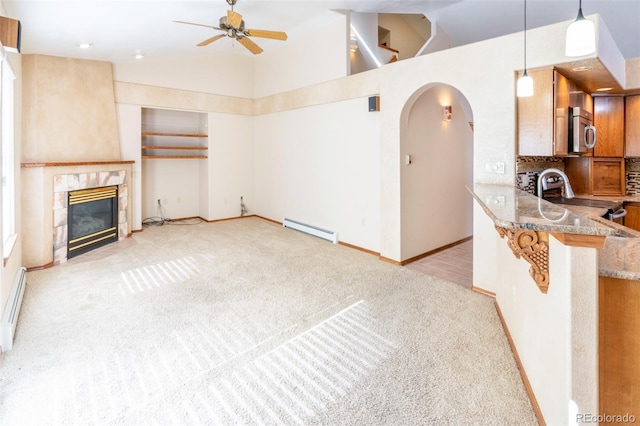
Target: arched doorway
(436, 169)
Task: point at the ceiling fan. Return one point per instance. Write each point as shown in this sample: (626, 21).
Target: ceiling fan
(233, 26)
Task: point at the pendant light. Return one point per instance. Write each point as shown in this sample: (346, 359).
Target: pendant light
(581, 36)
(525, 83)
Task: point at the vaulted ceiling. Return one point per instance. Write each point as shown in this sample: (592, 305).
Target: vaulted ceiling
(117, 29)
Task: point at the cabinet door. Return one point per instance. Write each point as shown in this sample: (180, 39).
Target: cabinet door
(607, 176)
(536, 115)
(632, 126)
(632, 219)
(609, 123)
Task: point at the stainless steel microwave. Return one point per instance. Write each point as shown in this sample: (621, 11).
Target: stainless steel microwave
(582, 133)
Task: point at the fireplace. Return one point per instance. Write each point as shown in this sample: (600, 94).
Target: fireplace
(92, 219)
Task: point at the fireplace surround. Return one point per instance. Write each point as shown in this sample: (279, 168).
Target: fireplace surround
(45, 205)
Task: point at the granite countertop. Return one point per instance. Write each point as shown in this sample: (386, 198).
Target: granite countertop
(510, 207)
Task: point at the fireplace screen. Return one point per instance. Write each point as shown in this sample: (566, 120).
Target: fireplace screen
(92, 219)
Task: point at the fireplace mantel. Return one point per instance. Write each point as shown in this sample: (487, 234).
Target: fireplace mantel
(72, 163)
(43, 209)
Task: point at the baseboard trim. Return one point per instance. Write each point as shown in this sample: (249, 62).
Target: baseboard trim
(269, 220)
(375, 253)
(393, 262)
(483, 291)
(434, 251)
(523, 374)
(227, 218)
(39, 268)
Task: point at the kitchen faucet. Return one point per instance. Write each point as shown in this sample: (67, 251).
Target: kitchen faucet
(568, 191)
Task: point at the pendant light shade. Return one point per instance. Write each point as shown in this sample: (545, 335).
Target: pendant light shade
(525, 86)
(581, 36)
(525, 83)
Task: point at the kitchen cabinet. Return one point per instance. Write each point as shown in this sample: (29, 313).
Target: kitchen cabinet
(609, 122)
(632, 219)
(596, 175)
(543, 125)
(607, 176)
(632, 126)
(618, 345)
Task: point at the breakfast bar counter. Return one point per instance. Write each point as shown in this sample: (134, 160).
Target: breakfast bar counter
(512, 208)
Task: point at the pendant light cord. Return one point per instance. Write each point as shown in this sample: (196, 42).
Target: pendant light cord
(525, 37)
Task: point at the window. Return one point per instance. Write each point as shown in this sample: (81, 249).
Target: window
(8, 155)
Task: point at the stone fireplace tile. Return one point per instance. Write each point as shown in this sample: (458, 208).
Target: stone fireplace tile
(123, 191)
(60, 236)
(123, 177)
(103, 178)
(73, 182)
(114, 178)
(60, 200)
(123, 230)
(122, 216)
(60, 254)
(88, 180)
(60, 183)
(59, 217)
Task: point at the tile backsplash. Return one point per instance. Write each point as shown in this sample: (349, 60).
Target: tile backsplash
(632, 170)
(527, 169)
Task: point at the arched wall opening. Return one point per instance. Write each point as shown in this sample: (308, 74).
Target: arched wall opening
(436, 169)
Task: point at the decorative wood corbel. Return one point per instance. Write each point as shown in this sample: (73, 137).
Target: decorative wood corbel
(534, 248)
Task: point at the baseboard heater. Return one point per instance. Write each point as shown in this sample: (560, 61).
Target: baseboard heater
(311, 230)
(12, 309)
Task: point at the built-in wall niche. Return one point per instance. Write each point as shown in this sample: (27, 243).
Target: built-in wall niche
(174, 134)
(174, 169)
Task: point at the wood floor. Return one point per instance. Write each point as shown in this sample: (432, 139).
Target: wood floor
(454, 264)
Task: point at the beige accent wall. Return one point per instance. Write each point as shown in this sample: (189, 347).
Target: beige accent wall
(69, 111)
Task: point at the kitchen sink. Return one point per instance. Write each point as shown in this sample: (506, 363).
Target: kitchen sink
(586, 202)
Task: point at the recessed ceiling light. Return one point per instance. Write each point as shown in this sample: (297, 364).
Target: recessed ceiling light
(583, 68)
(85, 45)
(604, 89)
(138, 55)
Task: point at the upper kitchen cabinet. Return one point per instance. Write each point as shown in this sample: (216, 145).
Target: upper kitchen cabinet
(609, 122)
(632, 126)
(543, 119)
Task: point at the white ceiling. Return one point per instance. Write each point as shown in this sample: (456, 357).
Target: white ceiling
(119, 28)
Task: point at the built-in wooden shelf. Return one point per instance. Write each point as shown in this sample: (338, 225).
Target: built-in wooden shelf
(182, 135)
(203, 148)
(149, 157)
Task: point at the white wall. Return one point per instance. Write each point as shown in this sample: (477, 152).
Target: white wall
(129, 128)
(321, 165)
(14, 261)
(364, 26)
(436, 206)
(231, 165)
(404, 37)
(228, 76)
(319, 56)
(177, 182)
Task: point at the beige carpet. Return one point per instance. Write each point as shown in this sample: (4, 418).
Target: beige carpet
(245, 322)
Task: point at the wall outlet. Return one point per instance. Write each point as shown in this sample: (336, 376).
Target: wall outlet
(494, 167)
(494, 200)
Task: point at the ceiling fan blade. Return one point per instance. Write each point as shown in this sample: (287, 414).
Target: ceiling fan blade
(253, 48)
(200, 25)
(234, 19)
(211, 40)
(276, 35)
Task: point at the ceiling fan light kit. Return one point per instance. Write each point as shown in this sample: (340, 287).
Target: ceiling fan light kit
(581, 36)
(233, 26)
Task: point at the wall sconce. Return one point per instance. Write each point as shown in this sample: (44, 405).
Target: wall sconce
(447, 113)
(353, 44)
